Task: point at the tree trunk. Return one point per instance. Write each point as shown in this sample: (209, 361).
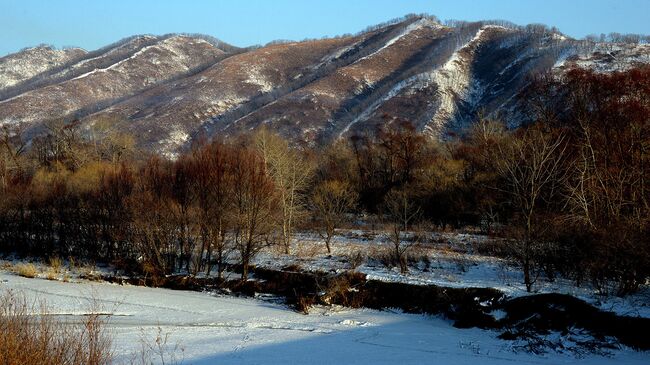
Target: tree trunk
(327, 244)
(527, 280)
(244, 271)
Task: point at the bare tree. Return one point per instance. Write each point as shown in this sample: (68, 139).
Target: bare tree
(254, 204)
(530, 166)
(212, 185)
(181, 203)
(109, 143)
(332, 200)
(291, 172)
(153, 232)
(404, 212)
(12, 147)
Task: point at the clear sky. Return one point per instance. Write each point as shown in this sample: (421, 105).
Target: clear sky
(94, 23)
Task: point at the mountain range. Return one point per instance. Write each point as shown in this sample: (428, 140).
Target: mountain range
(169, 90)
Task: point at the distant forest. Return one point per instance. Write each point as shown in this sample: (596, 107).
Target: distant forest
(569, 193)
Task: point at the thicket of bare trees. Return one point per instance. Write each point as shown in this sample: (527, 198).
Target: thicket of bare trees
(153, 215)
(569, 192)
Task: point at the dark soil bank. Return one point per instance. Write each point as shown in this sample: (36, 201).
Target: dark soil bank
(467, 307)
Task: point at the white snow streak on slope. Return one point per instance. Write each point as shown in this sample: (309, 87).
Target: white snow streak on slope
(411, 27)
(167, 44)
(401, 85)
(229, 330)
(451, 79)
(368, 112)
(454, 80)
(336, 54)
(144, 49)
(103, 55)
(177, 137)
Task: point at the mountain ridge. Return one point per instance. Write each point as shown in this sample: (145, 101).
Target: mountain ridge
(169, 90)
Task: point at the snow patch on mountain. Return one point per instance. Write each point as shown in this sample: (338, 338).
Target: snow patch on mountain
(255, 77)
(169, 147)
(608, 57)
(374, 106)
(453, 80)
(81, 64)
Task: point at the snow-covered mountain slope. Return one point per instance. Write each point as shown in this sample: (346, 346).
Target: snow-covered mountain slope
(21, 66)
(98, 87)
(168, 90)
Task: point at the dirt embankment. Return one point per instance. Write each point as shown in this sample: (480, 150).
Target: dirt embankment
(519, 318)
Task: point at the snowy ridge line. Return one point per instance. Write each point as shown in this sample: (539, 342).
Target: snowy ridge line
(410, 28)
(60, 72)
(111, 51)
(115, 64)
(337, 54)
(19, 70)
(90, 72)
(165, 44)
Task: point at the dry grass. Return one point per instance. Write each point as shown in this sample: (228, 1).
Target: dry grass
(51, 275)
(27, 270)
(89, 272)
(55, 264)
(6, 265)
(356, 258)
(310, 249)
(28, 335)
(158, 350)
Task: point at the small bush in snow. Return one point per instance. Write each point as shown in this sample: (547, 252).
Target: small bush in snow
(27, 270)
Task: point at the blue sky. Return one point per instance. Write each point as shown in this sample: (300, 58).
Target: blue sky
(94, 23)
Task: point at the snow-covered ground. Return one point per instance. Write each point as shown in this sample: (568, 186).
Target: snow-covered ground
(453, 262)
(215, 329)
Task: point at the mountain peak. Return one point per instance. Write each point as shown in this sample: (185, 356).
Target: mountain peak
(168, 90)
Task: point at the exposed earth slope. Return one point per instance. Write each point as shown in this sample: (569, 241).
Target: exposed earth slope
(169, 90)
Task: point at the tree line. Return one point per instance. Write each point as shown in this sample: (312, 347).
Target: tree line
(567, 193)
